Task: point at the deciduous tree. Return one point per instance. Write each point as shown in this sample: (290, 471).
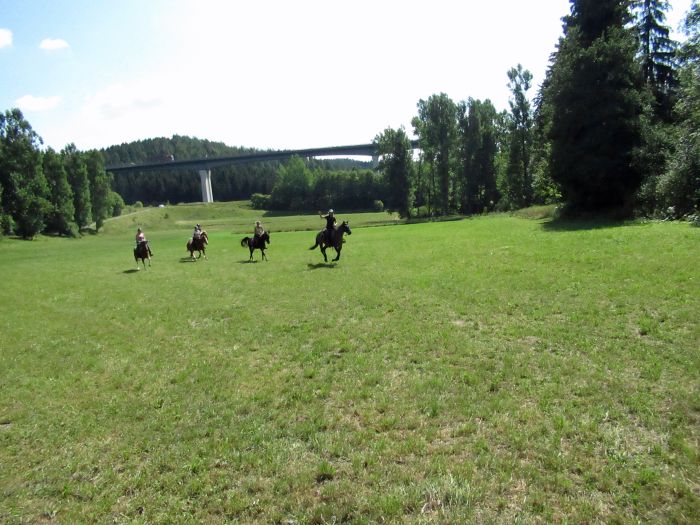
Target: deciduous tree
(397, 164)
(436, 128)
(518, 175)
(61, 217)
(76, 169)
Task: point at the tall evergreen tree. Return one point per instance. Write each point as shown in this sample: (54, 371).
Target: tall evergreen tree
(518, 176)
(436, 127)
(397, 165)
(78, 178)
(594, 91)
(657, 51)
(62, 214)
(679, 188)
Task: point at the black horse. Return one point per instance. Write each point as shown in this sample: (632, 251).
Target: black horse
(198, 245)
(142, 252)
(336, 240)
(256, 243)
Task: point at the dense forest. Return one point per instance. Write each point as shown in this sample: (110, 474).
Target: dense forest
(613, 129)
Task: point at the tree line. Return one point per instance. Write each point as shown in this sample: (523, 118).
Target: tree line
(613, 127)
(49, 191)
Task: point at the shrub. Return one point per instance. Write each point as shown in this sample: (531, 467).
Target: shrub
(259, 201)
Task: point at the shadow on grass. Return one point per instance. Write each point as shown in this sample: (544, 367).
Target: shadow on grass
(316, 266)
(133, 270)
(188, 260)
(249, 261)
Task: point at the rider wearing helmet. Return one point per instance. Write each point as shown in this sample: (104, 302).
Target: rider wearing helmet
(330, 224)
(197, 232)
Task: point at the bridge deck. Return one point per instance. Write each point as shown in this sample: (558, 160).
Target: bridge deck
(214, 162)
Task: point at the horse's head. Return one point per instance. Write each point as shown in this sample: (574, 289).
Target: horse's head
(204, 237)
(345, 227)
(266, 237)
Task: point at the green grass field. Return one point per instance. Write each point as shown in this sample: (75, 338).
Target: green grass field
(487, 370)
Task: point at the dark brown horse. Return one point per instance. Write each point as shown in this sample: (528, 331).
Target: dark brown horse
(336, 240)
(256, 243)
(198, 245)
(142, 252)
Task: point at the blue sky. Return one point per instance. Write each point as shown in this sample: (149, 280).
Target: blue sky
(267, 74)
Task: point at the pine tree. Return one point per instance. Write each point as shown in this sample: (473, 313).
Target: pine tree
(594, 95)
(657, 51)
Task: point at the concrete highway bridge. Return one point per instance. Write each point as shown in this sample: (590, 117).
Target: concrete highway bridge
(205, 165)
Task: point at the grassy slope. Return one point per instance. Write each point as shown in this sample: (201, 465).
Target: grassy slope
(494, 369)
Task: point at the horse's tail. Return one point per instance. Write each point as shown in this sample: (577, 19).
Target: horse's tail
(244, 241)
(189, 245)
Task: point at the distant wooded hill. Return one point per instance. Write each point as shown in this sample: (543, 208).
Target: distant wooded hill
(228, 183)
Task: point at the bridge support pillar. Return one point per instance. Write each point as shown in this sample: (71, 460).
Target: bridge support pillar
(207, 195)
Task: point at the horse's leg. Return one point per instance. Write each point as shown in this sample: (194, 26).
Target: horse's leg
(262, 250)
(323, 251)
(337, 256)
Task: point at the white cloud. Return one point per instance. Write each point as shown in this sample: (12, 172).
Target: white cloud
(32, 103)
(5, 38)
(53, 44)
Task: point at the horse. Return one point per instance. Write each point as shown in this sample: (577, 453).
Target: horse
(198, 245)
(256, 243)
(336, 240)
(141, 252)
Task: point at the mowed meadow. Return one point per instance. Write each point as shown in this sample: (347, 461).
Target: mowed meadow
(498, 369)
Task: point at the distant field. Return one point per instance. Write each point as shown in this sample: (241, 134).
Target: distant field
(487, 370)
(234, 217)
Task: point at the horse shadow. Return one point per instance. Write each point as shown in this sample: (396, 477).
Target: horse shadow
(132, 270)
(316, 266)
(248, 261)
(187, 260)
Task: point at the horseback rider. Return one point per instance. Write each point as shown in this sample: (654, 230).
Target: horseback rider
(141, 237)
(330, 225)
(197, 233)
(258, 232)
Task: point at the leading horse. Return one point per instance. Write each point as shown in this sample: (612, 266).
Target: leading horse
(198, 245)
(256, 243)
(336, 240)
(141, 252)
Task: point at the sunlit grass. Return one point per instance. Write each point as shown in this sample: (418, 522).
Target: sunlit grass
(487, 370)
